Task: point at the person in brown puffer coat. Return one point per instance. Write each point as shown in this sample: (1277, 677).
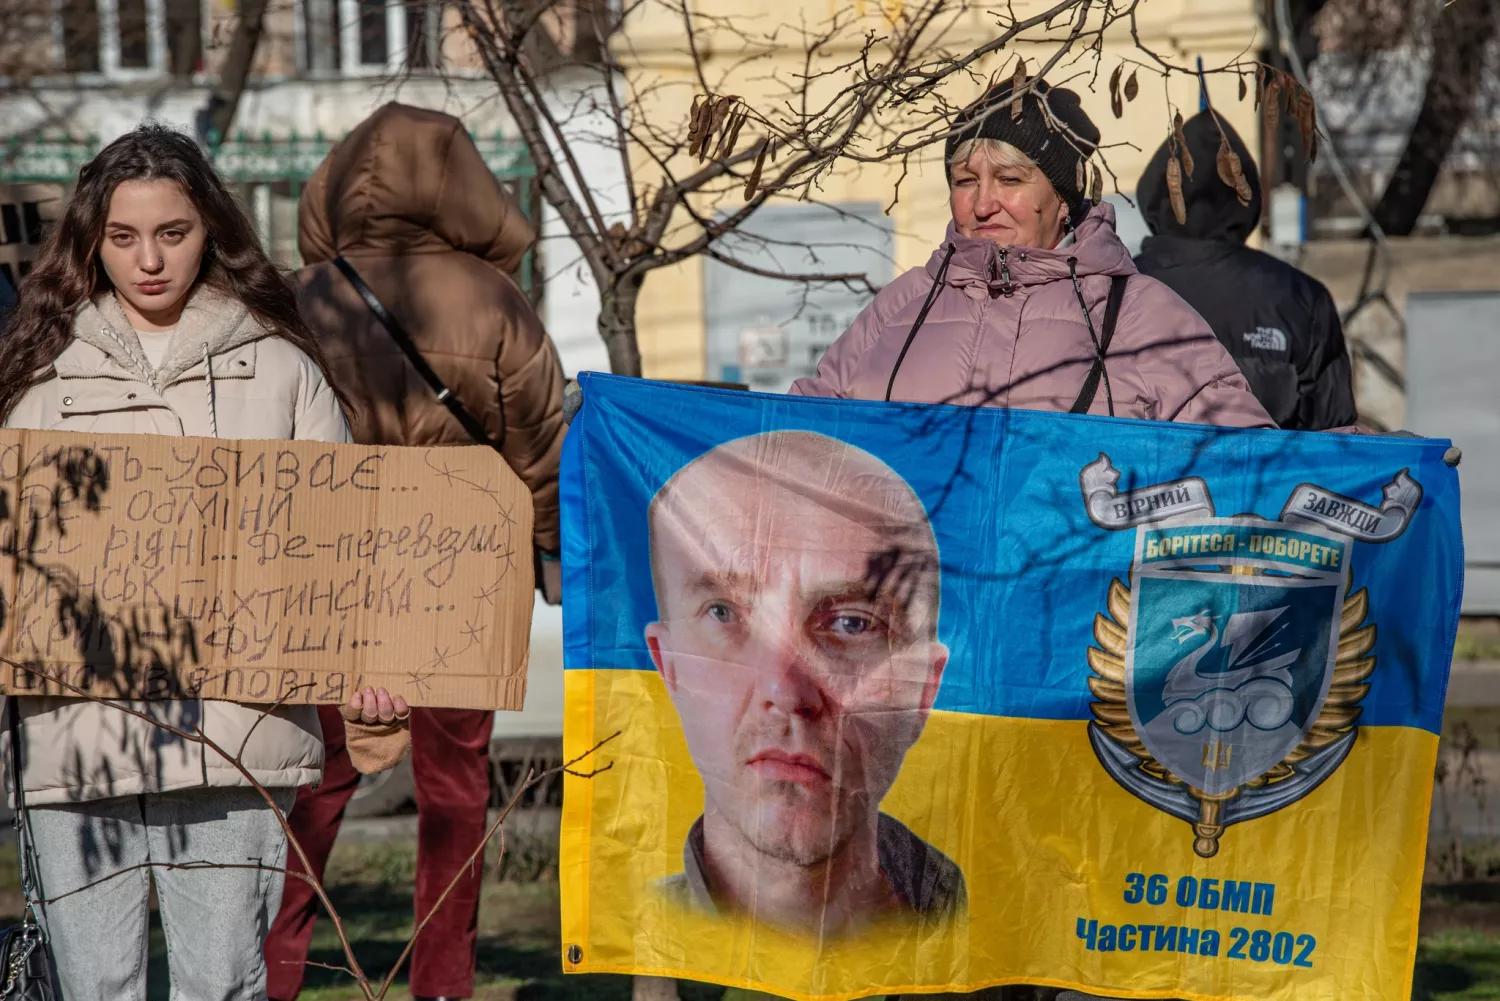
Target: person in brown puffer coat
(407, 200)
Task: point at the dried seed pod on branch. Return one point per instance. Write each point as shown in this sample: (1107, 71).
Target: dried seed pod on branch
(701, 108)
(1018, 83)
(1119, 94)
(1306, 113)
(731, 133)
(1279, 92)
(1182, 145)
(753, 182)
(1174, 189)
(1270, 103)
(714, 119)
(1232, 172)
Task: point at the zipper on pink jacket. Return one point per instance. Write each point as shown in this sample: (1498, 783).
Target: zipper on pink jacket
(1006, 285)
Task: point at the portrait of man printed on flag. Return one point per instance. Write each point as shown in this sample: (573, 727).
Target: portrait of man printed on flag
(798, 582)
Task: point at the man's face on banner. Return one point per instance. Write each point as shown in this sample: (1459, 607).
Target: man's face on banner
(797, 584)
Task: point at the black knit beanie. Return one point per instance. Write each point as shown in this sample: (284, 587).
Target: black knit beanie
(1057, 154)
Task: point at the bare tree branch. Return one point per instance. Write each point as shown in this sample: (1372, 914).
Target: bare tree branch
(699, 162)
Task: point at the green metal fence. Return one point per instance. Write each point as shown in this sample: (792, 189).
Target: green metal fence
(269, 174)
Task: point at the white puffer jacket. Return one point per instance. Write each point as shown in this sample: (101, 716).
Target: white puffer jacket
(262, 387)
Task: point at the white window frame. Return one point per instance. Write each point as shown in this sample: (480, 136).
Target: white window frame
(395, 37)
(299, 37)
(434, 34)
(349, 54)
(59, 48)
(109, 43)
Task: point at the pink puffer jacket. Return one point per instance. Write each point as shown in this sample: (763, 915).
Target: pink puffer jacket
(1006, 329)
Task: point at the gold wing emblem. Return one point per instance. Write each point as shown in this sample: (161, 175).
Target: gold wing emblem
(1335, 722)
(1107, 660)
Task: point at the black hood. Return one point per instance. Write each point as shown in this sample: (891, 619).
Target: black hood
(1214, 211)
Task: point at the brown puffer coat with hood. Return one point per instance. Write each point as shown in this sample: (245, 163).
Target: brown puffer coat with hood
(408, 201)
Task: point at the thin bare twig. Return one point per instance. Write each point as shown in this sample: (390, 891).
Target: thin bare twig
(322, 966)
(532, 779)
(173, 867)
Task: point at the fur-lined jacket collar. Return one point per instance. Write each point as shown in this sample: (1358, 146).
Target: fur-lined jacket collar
(212, 323)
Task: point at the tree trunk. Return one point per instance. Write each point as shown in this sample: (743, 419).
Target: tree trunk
(1460, 38)
(214, 120)
(617, 307)
(184, 37)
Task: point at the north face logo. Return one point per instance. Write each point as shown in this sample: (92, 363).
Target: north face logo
(1266, 339)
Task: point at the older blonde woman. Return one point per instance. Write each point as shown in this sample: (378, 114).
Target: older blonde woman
(1032, 301)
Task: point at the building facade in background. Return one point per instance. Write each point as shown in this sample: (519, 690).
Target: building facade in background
(80, 72)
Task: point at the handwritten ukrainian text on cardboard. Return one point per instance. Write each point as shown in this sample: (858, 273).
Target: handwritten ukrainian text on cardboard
(158, 568)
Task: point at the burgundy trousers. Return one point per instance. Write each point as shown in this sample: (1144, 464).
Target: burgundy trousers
(450, 762)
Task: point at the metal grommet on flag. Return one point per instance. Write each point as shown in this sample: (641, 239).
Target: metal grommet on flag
(575, 954)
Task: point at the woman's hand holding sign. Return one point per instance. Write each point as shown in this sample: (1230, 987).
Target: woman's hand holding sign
(376, 706)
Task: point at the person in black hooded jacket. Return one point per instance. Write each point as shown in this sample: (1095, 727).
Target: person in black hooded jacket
(1278, 323)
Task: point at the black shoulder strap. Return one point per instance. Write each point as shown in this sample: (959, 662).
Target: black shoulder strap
(398, 334)
(25, 851)
(1111, 317)
(13, 727)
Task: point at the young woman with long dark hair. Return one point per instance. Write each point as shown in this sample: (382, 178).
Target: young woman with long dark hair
(152, 309)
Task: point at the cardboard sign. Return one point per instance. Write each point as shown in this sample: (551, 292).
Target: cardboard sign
(143, 567)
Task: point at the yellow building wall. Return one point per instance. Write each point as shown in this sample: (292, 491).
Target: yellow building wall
(658, 59)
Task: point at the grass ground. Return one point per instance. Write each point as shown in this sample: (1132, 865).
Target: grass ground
(1459, 955)
(518, 929)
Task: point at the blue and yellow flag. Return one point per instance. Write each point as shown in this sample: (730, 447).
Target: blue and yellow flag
(919, 698)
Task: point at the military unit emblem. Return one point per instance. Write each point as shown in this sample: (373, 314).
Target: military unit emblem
(1227, 674)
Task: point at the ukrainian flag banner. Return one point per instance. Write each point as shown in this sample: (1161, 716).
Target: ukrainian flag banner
(922, 698)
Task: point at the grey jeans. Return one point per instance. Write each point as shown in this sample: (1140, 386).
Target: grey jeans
(215, 920)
